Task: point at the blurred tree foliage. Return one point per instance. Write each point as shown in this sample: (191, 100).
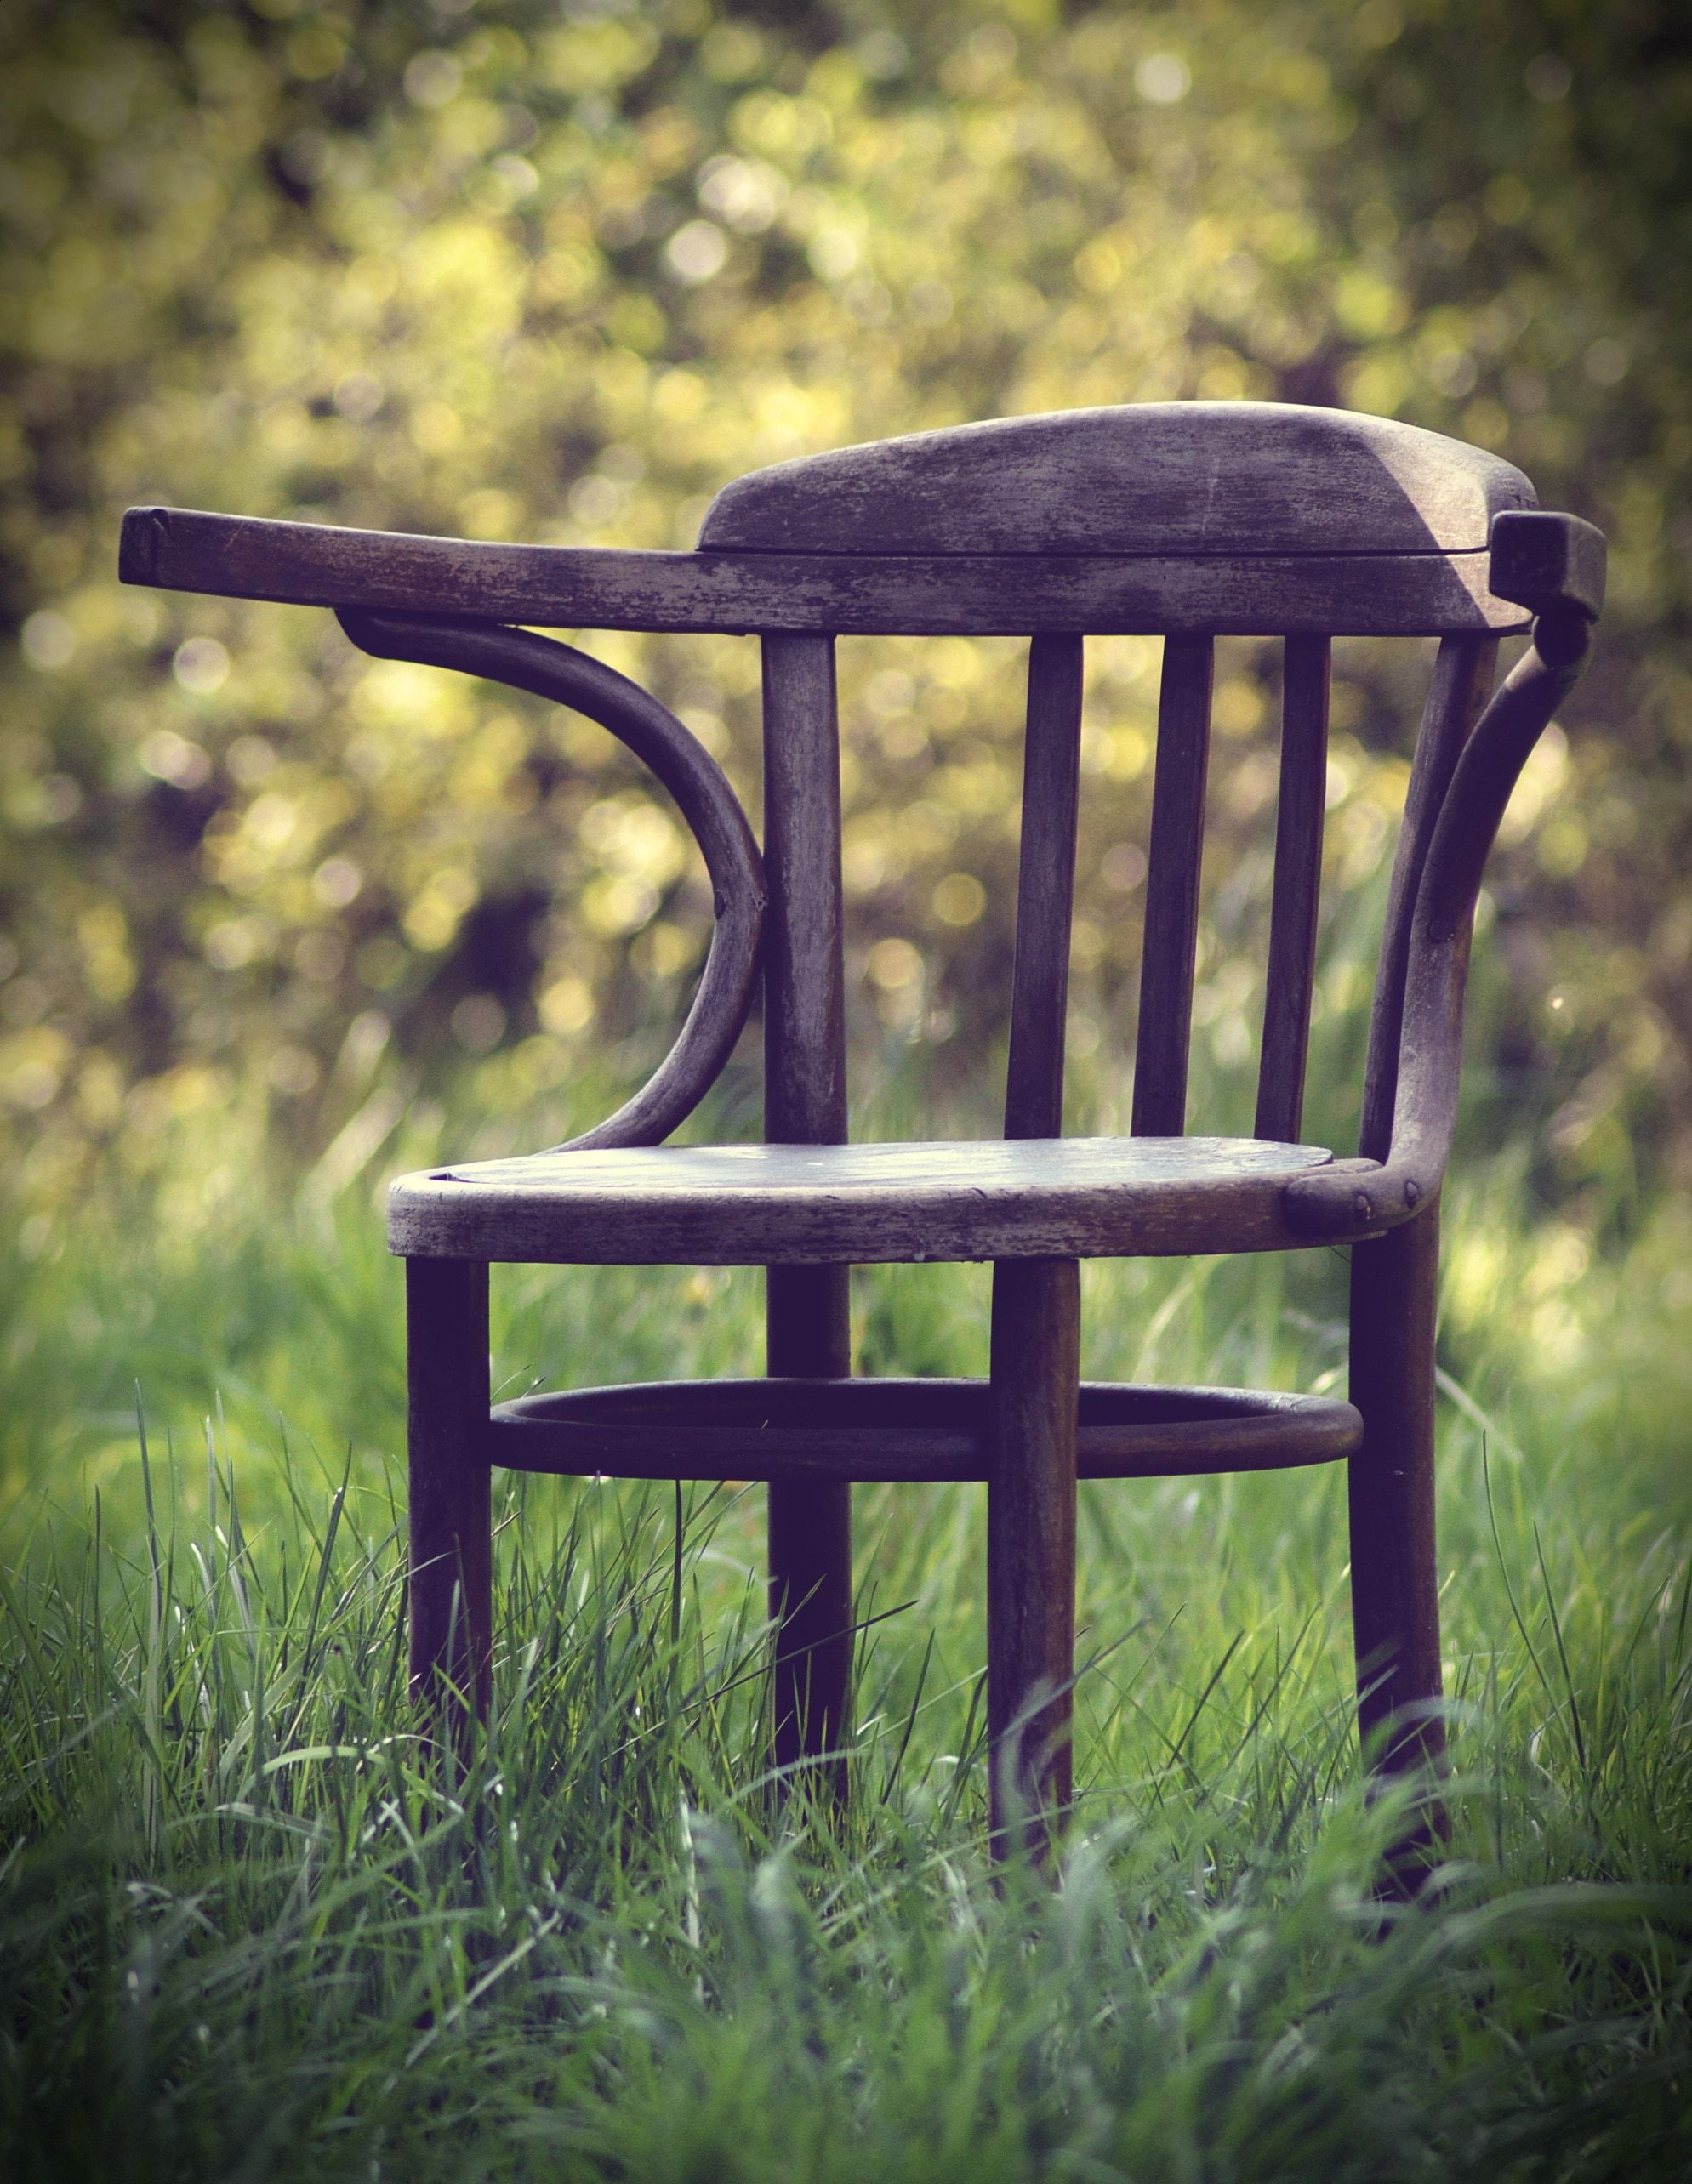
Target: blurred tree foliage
(524, 269)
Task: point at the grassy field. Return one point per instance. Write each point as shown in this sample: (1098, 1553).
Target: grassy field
(246, 1931)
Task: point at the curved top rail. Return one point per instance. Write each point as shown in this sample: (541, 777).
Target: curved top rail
(1351, 594)
(1187, 478)
(522, 661)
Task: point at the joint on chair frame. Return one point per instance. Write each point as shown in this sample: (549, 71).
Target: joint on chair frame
(1547, 562)
(1351, 1198)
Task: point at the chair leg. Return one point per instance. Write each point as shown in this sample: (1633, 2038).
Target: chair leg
(1394, 1570)
(1031, 1548)
(809, 1336)
(451, 1580)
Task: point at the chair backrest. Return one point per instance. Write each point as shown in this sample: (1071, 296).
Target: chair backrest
(1189, 520)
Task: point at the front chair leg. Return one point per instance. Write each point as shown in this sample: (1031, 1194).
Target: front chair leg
(1394, 1570)
(451, 1566)
(1032, 1408)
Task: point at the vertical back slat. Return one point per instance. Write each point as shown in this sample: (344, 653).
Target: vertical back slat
(806, 1308)
(804, 1088)
(1172, 887)
(1299, 812)
(1461, 683)
(1045, 890)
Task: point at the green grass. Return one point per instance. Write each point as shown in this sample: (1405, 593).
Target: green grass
(247, 1929)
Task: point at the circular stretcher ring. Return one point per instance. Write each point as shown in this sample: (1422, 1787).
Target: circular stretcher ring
(913, 1430)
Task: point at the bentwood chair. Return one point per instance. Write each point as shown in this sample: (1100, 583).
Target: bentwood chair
(1188, 520)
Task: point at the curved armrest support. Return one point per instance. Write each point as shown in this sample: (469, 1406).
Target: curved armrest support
(548, 669)
(1360, 1197)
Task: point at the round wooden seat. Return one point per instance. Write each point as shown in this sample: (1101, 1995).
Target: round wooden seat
(952, 1199)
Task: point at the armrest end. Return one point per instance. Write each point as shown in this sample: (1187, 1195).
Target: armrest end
(1545, 561)
(137, 549)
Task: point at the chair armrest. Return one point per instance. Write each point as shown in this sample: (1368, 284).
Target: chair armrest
(950, 594)
(408, 572)
(376, 582)
(1554, 564)
(523, 661)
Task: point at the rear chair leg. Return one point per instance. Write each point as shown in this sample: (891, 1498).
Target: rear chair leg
(809, 1336)
(451, 1580)
(1394, 1569)
(1031, 1548)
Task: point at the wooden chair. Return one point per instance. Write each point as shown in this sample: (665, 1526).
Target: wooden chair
(1187, 520)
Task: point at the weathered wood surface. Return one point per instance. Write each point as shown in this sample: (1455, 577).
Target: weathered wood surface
(748, 1205)
(984, 594)
(1178, 841)
(807, 1309)
(1150, 478)
(1045, 890)
(805, 1086)
(1032, 1410)
(1299, 814)
(901, 1430)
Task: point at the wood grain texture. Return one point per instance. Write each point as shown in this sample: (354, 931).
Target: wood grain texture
(1172, 875)
(984, 594)
(894, 1430)
(1045, 890)
(1299, 814)
(807, 1309)
(1032, 1413)
(749, 1205)
(1148, 477)
(449, 1582)
(805, 1089)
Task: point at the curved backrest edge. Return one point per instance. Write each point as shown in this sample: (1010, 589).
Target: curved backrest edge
(1155, 478)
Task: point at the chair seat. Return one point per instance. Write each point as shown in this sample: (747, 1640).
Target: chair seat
(738, 1205)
